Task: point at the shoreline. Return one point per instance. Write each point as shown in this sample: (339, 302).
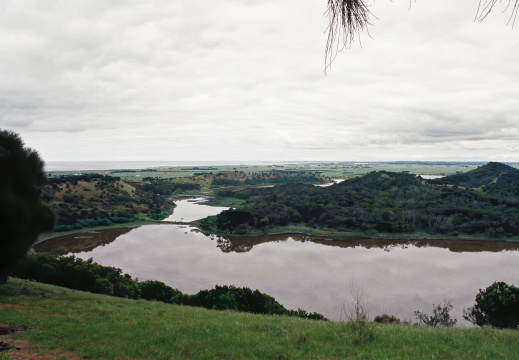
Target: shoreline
(316, 233)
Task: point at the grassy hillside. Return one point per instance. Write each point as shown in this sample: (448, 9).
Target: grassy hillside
(491, 173)
(54, 321)
(98, 200)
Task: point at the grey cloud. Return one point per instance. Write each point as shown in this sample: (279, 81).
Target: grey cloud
(165, 75)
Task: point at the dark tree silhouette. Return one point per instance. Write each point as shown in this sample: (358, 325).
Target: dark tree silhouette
(348, 18)
(22, 215)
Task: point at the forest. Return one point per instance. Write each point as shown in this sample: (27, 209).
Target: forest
(483, 201)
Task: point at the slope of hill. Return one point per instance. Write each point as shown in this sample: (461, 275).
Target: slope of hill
(479, 177)
(92, 199)
(377, 202)
(54, 322)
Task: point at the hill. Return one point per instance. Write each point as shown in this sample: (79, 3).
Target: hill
(481, 176)
(494, 178)
(53, 322)
(92, 199)
(379, 202)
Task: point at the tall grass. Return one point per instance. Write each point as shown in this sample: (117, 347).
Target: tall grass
(102, 327)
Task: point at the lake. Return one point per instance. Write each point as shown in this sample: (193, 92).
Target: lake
(313, 273)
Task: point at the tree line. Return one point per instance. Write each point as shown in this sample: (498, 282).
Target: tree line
(75, 273)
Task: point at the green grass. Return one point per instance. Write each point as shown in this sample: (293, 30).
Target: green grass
(102, 327)
(336, 170)
(225, 202)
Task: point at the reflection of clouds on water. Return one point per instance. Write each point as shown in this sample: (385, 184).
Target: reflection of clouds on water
(193, 209)
(314, 273)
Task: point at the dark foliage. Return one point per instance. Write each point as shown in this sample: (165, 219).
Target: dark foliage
(75, 273)
(379, 202)
(232, 218)
(234, 298)
(386, 319)
(242, 299)
(164, 187)
(440, 316)
(22, 215)
(64, 179)
(237, 178)
(482, 176)
(157, 290)
(497, 305)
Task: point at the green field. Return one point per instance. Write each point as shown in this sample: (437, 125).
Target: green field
(58, 321)
(339, 170)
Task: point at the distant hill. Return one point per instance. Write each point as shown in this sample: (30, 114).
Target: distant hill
(381, 202)
(479, 177)
(494, 178)
(92, 200)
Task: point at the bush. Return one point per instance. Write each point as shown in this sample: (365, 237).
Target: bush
(157, 290)
(497, 305)
(74, 273)
(386, 319)
(440, 317)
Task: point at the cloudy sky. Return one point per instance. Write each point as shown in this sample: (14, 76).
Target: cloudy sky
(243, 80)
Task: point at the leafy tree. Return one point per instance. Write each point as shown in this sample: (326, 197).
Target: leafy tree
(22, 215)
(497, 305)
(440, 317)
(157, 290)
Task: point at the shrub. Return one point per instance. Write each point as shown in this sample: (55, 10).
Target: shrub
(440, 317)
(497, 305)
(386, 319)
(157, 290)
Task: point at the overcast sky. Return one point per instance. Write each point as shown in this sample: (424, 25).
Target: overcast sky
(243, 80)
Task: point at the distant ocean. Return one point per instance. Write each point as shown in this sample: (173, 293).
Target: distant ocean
(118, 165)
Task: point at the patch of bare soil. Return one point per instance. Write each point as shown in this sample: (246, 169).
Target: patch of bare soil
(19, 349)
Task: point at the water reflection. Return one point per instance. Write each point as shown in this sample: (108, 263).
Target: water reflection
(89, 240)
(193, 209)
(246, 243)
(79, 242)
(313, 273)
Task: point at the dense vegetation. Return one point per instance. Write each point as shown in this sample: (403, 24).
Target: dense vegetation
(94, 200)
(494, 178)
(75, 273)
(22, 214)
(381, 202)
(497, 305)
(237, 178)
(91, 199)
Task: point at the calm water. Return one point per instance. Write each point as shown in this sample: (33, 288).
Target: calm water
(313, 273)
(193, 209)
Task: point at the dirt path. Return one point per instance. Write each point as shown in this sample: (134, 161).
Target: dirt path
(19, 349)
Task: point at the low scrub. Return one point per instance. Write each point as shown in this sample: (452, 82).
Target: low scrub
(75, 273)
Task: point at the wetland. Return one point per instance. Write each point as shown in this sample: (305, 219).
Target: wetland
(315, 273)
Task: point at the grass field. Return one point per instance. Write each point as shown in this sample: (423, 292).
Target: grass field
(57, 322)
(340, 170)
